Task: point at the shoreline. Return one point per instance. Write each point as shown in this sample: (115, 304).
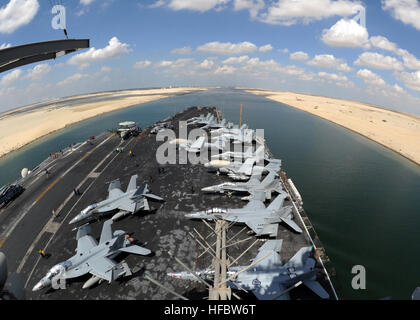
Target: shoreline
(386, 137)
(81, 112)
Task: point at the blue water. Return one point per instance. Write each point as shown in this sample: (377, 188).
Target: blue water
(362, 198)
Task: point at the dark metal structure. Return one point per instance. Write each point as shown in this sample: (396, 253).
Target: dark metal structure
(14, 57)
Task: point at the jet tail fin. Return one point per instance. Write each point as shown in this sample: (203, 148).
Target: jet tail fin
(106, 233)
(84, 230)
(292, 224)
(268, 179)
(132, 184)
(274, 165)
(146, 206)
(316, 287)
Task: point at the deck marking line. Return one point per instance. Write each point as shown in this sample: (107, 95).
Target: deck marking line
(61, 223)
(2, 241)
(11, 229)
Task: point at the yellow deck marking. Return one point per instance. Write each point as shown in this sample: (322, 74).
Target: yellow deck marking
(48, 189)
(59, 178)
(51, 186)
(3, 241)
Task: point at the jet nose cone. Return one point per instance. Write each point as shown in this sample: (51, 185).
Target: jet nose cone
(194, 215)
(174, 275)
(76, 219)
(38, 286)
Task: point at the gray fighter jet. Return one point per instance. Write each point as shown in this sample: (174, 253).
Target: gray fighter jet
(94, 258)
(268, 278)
(260, 153)
(215, 124)
(242, 171)
(268, 186)
(131, 201)
(200, 144)
(262, 221)
(242, 135)
(160, 127)
(208, 122)
(202, 119)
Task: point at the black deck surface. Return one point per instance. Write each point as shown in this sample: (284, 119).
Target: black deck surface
(161, 230)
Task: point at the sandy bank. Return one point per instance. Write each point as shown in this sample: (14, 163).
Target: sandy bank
(22, 126)
(399, 132)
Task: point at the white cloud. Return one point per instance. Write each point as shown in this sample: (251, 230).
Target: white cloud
(299, 55)
(181, 51)
(206, 64)
(346, 33)
(17, 13)
(11, 77)
(236, 60)
(142, 64)
(383, 43)
(38, 72)
(292, 70)
(378, 61)
(71, 79)
(5, 45)
(410, 61)
(195, 5)
(286, 12)
(285, 50)
(227, 48)
(332, 76)
(253, 6)
(114, 49)
(407, 11)
(371, 78)
(329, 61)
(225, 70)
(180, 63)
(266, 48)
(398, 89)
(86, 2)
(346, 84)
(410, 79)
(164, 63)
(157, 4)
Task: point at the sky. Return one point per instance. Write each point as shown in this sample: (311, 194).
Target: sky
(366, 51)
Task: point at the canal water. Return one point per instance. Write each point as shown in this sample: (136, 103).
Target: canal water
(363, 199)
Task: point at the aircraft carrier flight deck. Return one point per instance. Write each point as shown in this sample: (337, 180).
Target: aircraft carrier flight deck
(39, 219)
